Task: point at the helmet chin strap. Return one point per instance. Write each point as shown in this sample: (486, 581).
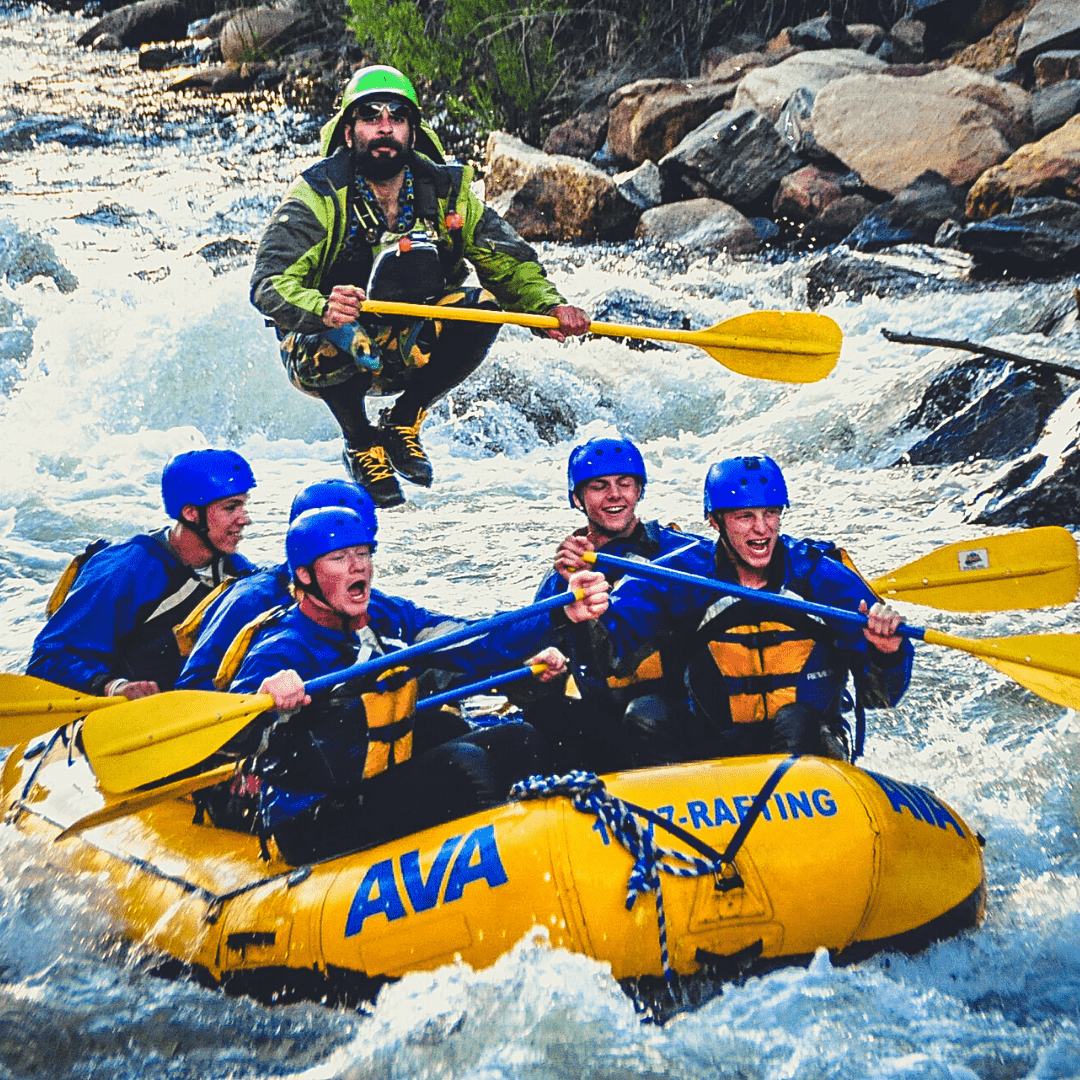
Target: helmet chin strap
(201, 528)
(316, 596)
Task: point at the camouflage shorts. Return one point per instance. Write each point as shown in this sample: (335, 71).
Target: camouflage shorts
(384, 350)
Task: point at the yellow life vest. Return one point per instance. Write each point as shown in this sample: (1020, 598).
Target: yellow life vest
(388, 711)
(187, 631)
(70, 573)
(238, 647)
(649, 669)
(390, 714)
(759, 663)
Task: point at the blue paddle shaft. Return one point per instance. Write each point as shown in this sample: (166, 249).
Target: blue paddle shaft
(448, 696)
(437, 644)
(758, 596)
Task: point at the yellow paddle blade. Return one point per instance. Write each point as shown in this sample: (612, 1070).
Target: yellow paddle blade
(30, 707)
(786, 346)
(1046, 664)
(164, 734)
(132, 804)
(1032, 568)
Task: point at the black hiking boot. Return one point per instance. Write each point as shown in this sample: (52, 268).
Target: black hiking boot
(371, 470)
(404, 450)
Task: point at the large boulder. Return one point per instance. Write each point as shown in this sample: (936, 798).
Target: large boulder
(256, 33)
(768, 89)
(552, 197)
(702, 226)
(736, 156)
(649, 118)
(147, 20)
(1050, 24)
(1050, 167)
(890, 130)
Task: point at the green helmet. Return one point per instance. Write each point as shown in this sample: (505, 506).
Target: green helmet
(381, 80)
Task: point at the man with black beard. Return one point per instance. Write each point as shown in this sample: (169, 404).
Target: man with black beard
(382, 217)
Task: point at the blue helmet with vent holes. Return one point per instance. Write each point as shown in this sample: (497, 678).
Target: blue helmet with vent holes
(742, 483)
(604, 457)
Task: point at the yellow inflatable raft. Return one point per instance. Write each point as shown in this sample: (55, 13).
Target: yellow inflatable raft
(837, 857)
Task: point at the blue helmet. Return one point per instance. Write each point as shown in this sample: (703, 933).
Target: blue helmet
(198, 477)
(329, 528)
(742, 483)
(333, 492)
(603, 457)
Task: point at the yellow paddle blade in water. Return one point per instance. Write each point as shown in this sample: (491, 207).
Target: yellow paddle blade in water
(1046, 664)
(30, 707)
(164, 734)
(1032, 568)
(785, 346)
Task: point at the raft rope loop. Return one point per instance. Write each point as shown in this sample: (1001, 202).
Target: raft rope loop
(623, 821)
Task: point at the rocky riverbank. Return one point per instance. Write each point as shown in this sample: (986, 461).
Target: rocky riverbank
(956, 127)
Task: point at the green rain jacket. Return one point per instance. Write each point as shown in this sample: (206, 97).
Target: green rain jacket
(307, 233)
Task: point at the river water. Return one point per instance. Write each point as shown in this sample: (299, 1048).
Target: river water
(152, 203)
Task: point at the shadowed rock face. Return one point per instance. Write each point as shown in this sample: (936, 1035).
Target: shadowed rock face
(1040, 237)
(736, 156)
(913, 217)
(983, 409)
(1043, 487)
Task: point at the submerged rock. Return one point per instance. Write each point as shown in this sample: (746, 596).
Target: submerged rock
(883, 274)
(30, 130)
(24, 257)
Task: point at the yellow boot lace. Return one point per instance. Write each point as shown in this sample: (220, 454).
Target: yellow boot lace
(373, 462)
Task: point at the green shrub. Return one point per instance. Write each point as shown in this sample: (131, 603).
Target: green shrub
(493, 62)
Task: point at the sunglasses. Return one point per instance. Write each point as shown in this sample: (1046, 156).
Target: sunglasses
(369, 111)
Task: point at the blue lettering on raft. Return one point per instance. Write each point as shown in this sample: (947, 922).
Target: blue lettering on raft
(477, 859)
(790, 806)
(920, 803)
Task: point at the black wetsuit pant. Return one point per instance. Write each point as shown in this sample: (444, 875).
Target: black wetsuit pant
(419, 359)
